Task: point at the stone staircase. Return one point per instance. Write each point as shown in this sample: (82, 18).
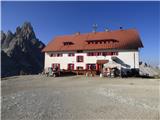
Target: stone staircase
(148, 71)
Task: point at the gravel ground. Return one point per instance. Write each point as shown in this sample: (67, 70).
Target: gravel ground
(36, 97)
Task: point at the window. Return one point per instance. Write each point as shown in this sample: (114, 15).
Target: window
(68, 43)
(51, 55)
(114, 53)
(79, 51)
(59, 54)
(56, 65)
(79, 68)
(89, 42)
(91, 66)
(99, 53)
(92, 54)
(79, 58)
(70, 54)
(89, 54)
(109, 53)
(104, 53)
(70, 66)
(54, 55)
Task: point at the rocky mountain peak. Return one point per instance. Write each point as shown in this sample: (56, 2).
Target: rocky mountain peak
(9, 33)
(3, 36)
(6, 39)
(27, 31)
(23, 49)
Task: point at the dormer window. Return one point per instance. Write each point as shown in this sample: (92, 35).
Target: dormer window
(102, 41)
(67, 43)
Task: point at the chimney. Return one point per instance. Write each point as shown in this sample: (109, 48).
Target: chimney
(77, 33)
(94, 28)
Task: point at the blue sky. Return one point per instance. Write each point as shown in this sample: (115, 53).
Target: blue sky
(50, 19)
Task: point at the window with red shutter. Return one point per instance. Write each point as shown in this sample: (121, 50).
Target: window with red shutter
(104, 53)
(79, 58)
(79, 68)
(59, 54)
(70, 66)
(70, 54)
(94, 54)
(51, 55)
(91, 66)
(109, 53)
(114, 53)
(54, 65)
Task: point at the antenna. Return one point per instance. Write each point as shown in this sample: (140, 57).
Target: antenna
(95, 26)
(106, 29)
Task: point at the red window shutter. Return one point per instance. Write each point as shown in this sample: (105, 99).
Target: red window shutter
(77, 59)
(80, 59)
(86, 66)
(53, 66)
(59, 66)
(112, 53)
(68, 66)
(109, 53)
(104, 54)
(92, 53)
(72, 66)
(97, 67)
(116, 53)
(51, 55)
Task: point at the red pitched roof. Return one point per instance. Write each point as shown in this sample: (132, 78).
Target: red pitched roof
(125, 39)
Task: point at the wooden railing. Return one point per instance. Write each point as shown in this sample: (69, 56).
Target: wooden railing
(82, 72)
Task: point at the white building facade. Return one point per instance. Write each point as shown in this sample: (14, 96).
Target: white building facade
(82, 51)
(129, 57)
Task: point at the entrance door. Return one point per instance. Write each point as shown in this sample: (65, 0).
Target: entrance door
(99, 65)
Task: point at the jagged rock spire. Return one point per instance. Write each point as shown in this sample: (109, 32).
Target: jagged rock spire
(23, 49)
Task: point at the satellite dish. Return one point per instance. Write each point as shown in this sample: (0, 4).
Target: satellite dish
(121, 28)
